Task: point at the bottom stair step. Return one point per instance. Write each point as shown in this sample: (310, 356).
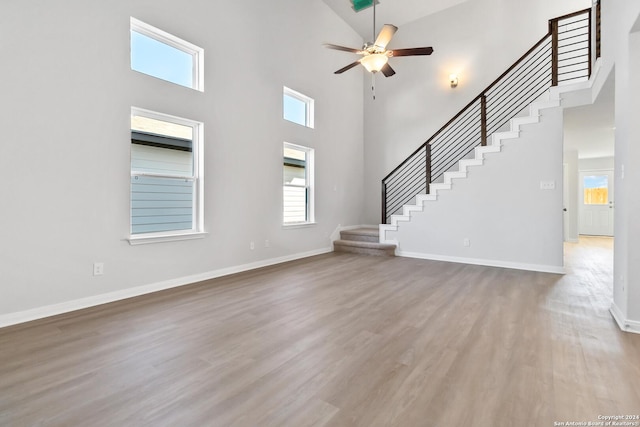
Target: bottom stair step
(365, 248)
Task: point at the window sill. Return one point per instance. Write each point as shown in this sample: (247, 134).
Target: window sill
(299, 225)
(144, 239)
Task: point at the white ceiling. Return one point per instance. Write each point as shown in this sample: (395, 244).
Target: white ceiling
(396, 12)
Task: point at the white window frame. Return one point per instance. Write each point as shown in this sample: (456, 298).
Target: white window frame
(196, 52)
(309, 172)
(197, 229)
(310, 113)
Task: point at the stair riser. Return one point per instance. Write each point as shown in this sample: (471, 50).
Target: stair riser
(359, 237)
(365, 251)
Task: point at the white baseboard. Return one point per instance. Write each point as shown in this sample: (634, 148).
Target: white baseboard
(624, 324)
(485, 262)
(68, 306)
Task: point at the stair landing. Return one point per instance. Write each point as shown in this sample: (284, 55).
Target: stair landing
(365, 241)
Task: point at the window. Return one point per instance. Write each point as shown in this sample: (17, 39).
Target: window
(165, 56)
(297, 108)
(166, 176)
(298, 184)
(596, 190)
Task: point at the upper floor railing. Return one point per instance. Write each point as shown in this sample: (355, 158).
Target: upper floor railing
(562, 56)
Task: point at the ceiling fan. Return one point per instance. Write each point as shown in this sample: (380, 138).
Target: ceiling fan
(375, 56)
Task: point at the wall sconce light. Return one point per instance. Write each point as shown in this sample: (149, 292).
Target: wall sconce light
(453, 79)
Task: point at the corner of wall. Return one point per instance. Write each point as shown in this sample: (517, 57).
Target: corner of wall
(624, 324)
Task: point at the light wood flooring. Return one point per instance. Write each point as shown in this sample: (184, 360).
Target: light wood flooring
(336, 340)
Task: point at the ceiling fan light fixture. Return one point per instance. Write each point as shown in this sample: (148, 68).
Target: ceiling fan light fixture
(374, 62)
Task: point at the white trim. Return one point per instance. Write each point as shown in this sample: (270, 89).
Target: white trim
(159, 175)
(309, 171)
(196, 52)
(79, 304)
(599, 169)
(151, 114)
(309, 102)
(485, 262)
(146, 238)
(298, 225)
(624, 324)
(197, 141)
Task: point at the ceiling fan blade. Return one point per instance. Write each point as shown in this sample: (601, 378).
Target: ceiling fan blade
(384, 37)
(348, 67)
(387, 70)
(412, 51)
(343, 48)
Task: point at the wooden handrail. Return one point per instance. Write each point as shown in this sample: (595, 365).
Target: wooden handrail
(466, 107)
(571, 15)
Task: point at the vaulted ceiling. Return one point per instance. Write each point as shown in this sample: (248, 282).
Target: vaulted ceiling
(396, 12)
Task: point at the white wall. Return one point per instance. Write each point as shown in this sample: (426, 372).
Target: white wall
(621, 50)
(597, 163)
(499, 207)
(66, 94)
(478, 40)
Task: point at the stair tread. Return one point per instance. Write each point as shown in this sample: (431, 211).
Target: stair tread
(362, 231)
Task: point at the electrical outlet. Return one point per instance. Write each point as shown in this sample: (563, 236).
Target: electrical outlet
(267, 243)
(466, 242)
(252, 245)
(98, 268)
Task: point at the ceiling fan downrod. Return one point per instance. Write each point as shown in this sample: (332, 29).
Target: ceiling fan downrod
(374, 20)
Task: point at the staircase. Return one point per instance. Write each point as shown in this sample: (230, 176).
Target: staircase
(560, 62)
(494, 145)
(562, 57)
(363, 241)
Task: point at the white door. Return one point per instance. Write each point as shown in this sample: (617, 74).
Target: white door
(596, 202)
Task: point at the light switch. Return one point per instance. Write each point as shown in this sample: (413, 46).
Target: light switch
(547, 185)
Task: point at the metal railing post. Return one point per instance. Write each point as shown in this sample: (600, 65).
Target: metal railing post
(428, 165)
(553, 29)
(590, 40)
(483, 120)
(384, 203)
(598, 29)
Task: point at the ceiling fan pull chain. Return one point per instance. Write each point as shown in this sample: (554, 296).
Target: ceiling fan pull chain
(373, 85)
